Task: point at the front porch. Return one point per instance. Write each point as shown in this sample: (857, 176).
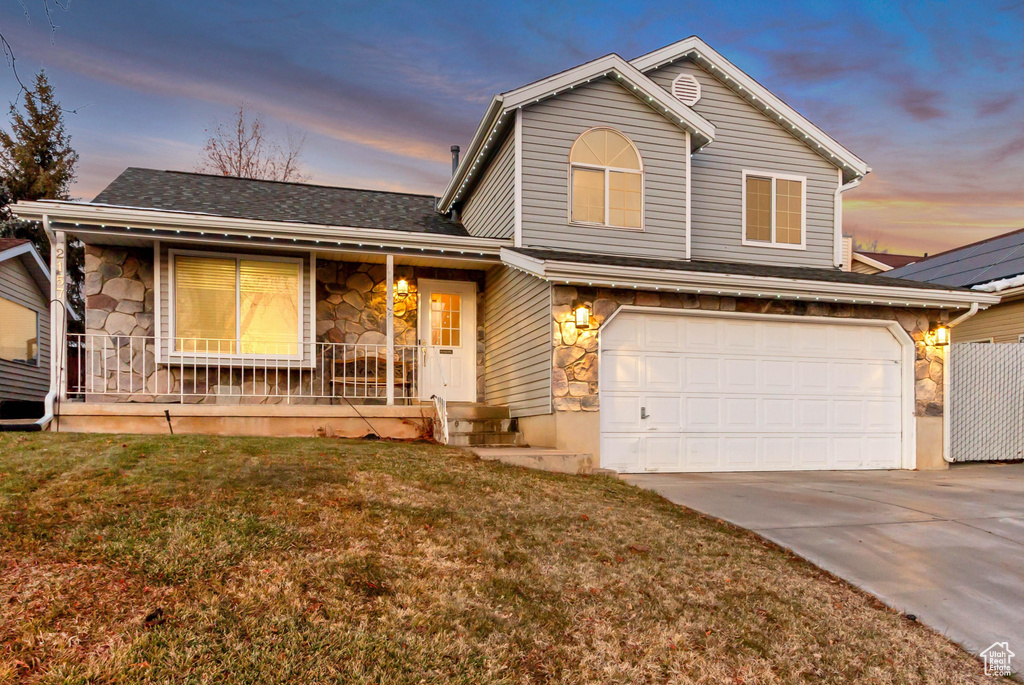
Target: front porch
(331, 331)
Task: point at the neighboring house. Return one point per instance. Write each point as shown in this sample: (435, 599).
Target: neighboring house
(995, 265)
(636, 259)
(878, 262)
(871, 262)
(24, 328)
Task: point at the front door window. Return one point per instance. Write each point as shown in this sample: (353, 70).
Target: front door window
(446, 319)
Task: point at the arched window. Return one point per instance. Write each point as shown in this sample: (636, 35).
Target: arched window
(606, 180)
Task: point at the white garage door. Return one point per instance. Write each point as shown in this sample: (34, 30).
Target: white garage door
(704, 393)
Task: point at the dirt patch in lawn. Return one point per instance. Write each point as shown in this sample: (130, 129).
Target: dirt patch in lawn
(312, 560)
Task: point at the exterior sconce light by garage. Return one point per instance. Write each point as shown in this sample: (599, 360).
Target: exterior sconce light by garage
(941, 336)
(581, 315)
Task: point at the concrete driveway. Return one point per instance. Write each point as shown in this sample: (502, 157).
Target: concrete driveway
(947, 546)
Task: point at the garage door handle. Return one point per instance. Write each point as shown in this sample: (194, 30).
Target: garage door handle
(643, 413)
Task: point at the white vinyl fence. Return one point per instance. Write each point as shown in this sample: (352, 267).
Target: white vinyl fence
(986, 401)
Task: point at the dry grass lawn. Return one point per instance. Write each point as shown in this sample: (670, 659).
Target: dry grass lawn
(312, 560)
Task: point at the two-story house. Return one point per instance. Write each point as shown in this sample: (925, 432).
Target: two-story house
(634, 259)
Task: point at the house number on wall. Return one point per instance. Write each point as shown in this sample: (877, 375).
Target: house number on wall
(58, 269)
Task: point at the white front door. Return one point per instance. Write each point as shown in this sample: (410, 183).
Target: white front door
(719, 393)
(447, 320)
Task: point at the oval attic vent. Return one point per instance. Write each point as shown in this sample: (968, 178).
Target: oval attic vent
(686, 89)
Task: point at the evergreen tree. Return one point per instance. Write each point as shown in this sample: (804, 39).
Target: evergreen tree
(37, 162)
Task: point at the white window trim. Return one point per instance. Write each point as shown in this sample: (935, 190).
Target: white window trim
(773, 176)
(39, 347)
(176, 355)
(591, 167)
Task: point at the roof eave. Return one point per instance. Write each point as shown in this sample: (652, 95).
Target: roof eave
(142, 221)
(736, 285)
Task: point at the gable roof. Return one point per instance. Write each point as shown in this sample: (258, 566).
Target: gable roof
(500, 114)
(242, 198)
(11, 248)
(760, 97)
(987, 260)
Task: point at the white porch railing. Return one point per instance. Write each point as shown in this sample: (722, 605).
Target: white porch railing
(147, 369)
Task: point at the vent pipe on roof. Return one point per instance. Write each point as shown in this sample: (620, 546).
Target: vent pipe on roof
(455, 159)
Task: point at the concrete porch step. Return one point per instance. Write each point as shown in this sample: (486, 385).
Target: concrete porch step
(484, 438)
(476, 411)
(542, 459)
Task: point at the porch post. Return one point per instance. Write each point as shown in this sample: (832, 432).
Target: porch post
(58, 311)
(391, 328)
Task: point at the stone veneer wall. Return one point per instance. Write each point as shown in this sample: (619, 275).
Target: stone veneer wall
(575, 374)
(351, 304)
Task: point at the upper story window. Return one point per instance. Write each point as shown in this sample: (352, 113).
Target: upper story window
(19, 334)
(607, 180)
(774, 210)
(234, 305)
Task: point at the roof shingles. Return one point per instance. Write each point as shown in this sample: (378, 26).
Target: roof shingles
(243, 198)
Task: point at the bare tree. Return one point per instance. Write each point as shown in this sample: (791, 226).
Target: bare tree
(48, 7)
(243, 148)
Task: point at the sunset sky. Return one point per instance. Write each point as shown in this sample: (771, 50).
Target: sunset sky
(930, 94)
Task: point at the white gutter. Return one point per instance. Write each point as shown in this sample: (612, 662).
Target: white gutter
(280, 233)
(736, 285)
(837, 247)
(945, 385)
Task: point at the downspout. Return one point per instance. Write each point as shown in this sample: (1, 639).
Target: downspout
(945, 384)
(837, 247)
(52, 394)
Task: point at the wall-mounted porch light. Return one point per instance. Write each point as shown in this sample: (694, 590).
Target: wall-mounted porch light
(941, 336)
(581, 313)
(402, 288)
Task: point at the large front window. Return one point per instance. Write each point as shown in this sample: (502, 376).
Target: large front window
(232, 305)
(19, 333)
(606, 178)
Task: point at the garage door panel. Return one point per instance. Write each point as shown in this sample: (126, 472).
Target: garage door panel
(740, 414)
(812, 452)
(701, 335)
(726, 394)
(703, 374)
(813, 414)
(703, 453)
(740, 375)
(663, 372)
(662, 333)
(622, 370)
(739, 454)
(777, 376)
(778, 413)
(665, 413)
(740, 336)
(702, 414)
(621, 453)
(620, 413)
(663, 453)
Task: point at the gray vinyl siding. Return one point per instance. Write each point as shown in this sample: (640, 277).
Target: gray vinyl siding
(164, 306)
(549, 129)
(518, 342)
(490, 211)
(747, 139)
(21, 381)
(1001, 323)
